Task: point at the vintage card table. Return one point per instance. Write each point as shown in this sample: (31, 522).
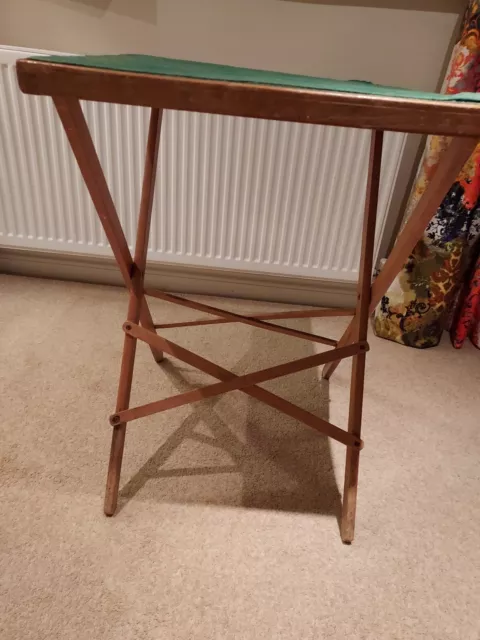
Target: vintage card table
(161, 83)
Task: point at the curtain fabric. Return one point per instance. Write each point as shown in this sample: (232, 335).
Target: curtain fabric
(425, 296)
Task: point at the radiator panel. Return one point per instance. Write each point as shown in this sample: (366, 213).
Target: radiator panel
(235, 193)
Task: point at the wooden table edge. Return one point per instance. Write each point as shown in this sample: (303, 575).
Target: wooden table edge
(250, 100)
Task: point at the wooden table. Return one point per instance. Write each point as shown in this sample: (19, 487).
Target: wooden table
(161, 83)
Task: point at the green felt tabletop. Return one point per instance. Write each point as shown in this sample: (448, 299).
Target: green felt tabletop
(205, 71)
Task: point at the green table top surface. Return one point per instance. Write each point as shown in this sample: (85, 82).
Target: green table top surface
(206, 71)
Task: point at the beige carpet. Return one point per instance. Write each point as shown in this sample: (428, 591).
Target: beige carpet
(227, 527)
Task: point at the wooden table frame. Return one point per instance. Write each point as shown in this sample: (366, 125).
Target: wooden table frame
(68, 84)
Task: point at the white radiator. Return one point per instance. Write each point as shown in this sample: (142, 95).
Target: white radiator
(231, 192)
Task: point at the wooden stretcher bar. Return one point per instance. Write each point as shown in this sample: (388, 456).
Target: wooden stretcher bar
(202, 364)
(281, 315)
(235, 317)
(238, 383)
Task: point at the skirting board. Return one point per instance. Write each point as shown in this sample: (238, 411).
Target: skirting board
(182, 279)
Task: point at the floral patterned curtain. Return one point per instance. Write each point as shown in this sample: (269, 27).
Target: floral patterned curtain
(439, 285)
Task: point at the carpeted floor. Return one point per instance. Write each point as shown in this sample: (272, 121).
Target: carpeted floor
(227, 527)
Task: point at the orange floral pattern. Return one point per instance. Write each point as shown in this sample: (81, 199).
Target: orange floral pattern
(414, 309)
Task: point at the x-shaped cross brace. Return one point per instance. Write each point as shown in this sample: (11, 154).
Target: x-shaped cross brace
(246, 383)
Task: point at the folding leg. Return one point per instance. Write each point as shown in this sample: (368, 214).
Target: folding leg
(78, 135)
(133, 271)
(451, 164)
(360, 332)
(134, 310)
(369, 296)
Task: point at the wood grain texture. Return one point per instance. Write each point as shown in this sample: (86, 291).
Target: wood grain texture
(249, 100)
(361, 329)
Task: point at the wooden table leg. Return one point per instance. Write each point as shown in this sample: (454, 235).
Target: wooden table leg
(360, 332)
(81, 142)
(449, 167)
(123, 401)
(134, 310)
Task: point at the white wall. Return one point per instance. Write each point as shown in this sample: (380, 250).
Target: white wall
(374, 42)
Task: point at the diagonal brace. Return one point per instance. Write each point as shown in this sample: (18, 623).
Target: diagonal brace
(82, 145)
(236, 317)
(281, 315)
(240, 382)
(245, 383)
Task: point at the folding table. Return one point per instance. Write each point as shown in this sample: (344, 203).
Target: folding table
(161, 83)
